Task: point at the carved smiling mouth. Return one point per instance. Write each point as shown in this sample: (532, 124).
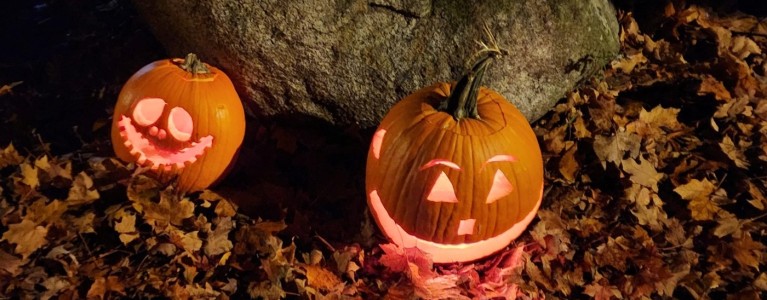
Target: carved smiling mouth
(149, 154)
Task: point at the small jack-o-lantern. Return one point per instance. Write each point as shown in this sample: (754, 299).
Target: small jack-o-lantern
(455, 170)
(181, 119)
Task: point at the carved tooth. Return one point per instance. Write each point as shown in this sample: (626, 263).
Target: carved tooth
(142, 159)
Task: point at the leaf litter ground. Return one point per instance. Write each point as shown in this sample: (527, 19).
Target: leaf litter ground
(655, 188)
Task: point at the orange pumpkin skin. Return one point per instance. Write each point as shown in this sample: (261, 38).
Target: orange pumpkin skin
(416, 146)
(217, 117)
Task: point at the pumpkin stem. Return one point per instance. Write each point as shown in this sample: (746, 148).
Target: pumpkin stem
(462, 102)
(194, 65)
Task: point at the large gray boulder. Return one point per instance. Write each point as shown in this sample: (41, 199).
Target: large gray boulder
(349, 61)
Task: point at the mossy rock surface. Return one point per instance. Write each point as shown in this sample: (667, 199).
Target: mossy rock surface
(348, 61)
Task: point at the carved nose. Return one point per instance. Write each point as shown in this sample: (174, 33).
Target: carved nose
(466, 226)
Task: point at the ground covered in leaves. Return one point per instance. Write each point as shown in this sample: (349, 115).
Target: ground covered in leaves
(655, 188)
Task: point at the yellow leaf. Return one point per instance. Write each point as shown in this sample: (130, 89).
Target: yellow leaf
(225, 208)
(29, 176)
(82, 190)
(54, 169)
(27, 236)
(10, 157)
(218, 240)
(732, 151)
(743, 46)
(711, 85)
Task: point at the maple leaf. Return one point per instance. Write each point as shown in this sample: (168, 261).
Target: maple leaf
(642, 173)
(53, 286)
(732, 151)
(10, 157)
(656, 122)
(29, 176)
(82, 190)
(612, 149)
(169, 211)
(698, 192)
(84, 223)
(728, 224)
(648, 207)
(748, 253)
(27, 236)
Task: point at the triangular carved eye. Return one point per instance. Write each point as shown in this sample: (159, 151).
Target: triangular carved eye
(442, 190)
(500, 188)
(180, 124)
(148, 111)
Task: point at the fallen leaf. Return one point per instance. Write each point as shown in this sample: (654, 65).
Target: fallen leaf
(613, 148)
(218, 240)
(82, 191)
(320, 278)
(748, 253)
(27, 236)
(10, 157)
(698, 192)
(642, 173)
(734, 153)
(568, 165)
(628, 63)
(126, 226)
(102, 287)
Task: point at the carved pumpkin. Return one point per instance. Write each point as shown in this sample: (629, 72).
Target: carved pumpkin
(180, 118)
(455, 170)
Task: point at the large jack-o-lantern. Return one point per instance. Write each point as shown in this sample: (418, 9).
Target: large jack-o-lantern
(181, 119)
(455, 170)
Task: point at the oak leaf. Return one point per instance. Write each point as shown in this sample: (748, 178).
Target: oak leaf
(218, 240)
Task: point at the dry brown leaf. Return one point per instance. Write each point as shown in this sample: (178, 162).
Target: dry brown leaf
(743, 47)
(568, 165)
(655, 123)
(757, 197)
(218, 240)
(125, 225)
(602, 292)
(749, 253)
(82, 191)
(54, 169)
(27, 236)
(612, 149)
(101, 287)
(711, 85)
(628, 63)
(734, 152)
(225, 209)
(9, 263)
(84, 223)
(43, 214)
(321, 279)
(642, 173)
